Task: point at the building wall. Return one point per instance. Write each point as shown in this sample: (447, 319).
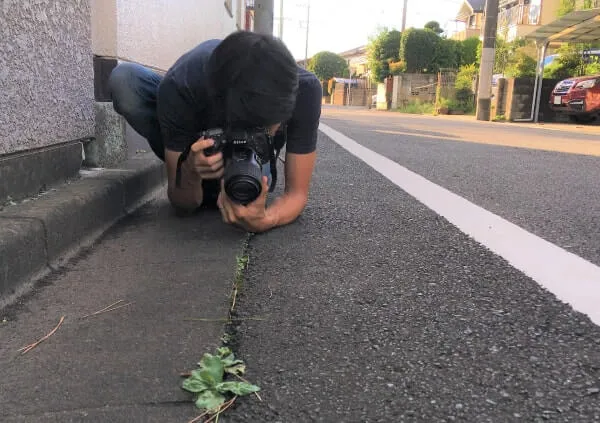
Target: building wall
(156, 32)
(466, 33)
(548, 14)
(549, 11)
(46, 73)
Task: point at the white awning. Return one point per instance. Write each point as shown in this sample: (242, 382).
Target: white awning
(576, 27)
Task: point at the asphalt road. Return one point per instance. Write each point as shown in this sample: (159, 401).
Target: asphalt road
(554, 195)
(378, 310)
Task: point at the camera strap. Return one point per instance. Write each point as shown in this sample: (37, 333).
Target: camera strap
(275, 155)
(180, 161)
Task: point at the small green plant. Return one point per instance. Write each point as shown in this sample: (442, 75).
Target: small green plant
(417, 107)
(209, 387)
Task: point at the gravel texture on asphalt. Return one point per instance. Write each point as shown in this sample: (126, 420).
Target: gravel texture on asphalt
(553, 195)
(378, 310)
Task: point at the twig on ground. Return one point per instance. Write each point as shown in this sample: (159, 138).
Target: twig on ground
(234, 294)
(108, 308)
(223, 319)
(224, 407)
(29, 347)
(197, 418)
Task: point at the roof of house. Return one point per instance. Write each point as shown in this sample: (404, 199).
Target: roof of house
(468, 8)
(477, 5)
(358, 51)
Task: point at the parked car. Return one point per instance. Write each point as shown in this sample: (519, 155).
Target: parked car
(579, 98)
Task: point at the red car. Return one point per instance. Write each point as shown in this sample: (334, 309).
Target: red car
(579, 98)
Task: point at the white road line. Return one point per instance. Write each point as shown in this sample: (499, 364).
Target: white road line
(569, 277)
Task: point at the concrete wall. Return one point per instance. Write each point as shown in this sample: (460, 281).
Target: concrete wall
(156, 32)
(515, 99)
(46, 73)
(409, 88)
(46, 46)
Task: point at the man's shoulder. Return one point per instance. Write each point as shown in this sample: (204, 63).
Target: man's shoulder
(194, 59)
(310, 91)
(307, 81)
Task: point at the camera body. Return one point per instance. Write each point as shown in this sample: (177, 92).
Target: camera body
(245, 152)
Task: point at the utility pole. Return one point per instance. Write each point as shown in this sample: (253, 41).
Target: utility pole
(486, 71)
(263, 16)
(306, 47)
(281, 19)
(404, 15)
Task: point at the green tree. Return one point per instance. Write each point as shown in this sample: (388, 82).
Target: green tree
(418, 49)
(568, 63)
(521, 65)
(447, 54)
(434, 26)
(326, 65)
(503, 53)
(382, 50)
(566, 7)
(464, 86)
(468, 50)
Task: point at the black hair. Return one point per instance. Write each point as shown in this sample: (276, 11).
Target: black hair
(252, 80)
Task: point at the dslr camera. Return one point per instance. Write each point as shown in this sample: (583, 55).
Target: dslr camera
(245, 152)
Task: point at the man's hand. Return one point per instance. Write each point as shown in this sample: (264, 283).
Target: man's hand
(206, 167)
(253, 217)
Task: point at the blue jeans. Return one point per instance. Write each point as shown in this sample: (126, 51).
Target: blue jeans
(134, 93)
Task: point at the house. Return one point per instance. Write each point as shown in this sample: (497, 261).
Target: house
(357, 61)
(517, 18)
(469, 19)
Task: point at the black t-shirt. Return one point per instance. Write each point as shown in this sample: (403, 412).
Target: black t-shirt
(184, 107)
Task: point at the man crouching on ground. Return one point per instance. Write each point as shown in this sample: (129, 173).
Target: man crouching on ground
(246, 81)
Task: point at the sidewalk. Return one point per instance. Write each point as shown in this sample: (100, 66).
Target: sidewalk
(568, 128)
(40, 234)
(122, 365)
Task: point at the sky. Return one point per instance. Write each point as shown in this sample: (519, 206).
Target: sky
(339, 25)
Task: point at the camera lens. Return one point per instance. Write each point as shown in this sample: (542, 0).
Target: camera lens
(243, 178)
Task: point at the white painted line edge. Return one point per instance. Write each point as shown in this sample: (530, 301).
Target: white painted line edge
(570, 278)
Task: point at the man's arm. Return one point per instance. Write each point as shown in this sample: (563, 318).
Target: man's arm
(255, 217)
(189, 195)
(298, 175)
(194, 169)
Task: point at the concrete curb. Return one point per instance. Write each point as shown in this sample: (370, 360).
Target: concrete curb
(38, 236)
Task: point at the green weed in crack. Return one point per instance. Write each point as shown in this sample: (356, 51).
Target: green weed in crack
(242, 261)
(210, 388)
(212, 393)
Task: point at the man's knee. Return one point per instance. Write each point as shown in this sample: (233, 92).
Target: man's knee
(122, 85)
